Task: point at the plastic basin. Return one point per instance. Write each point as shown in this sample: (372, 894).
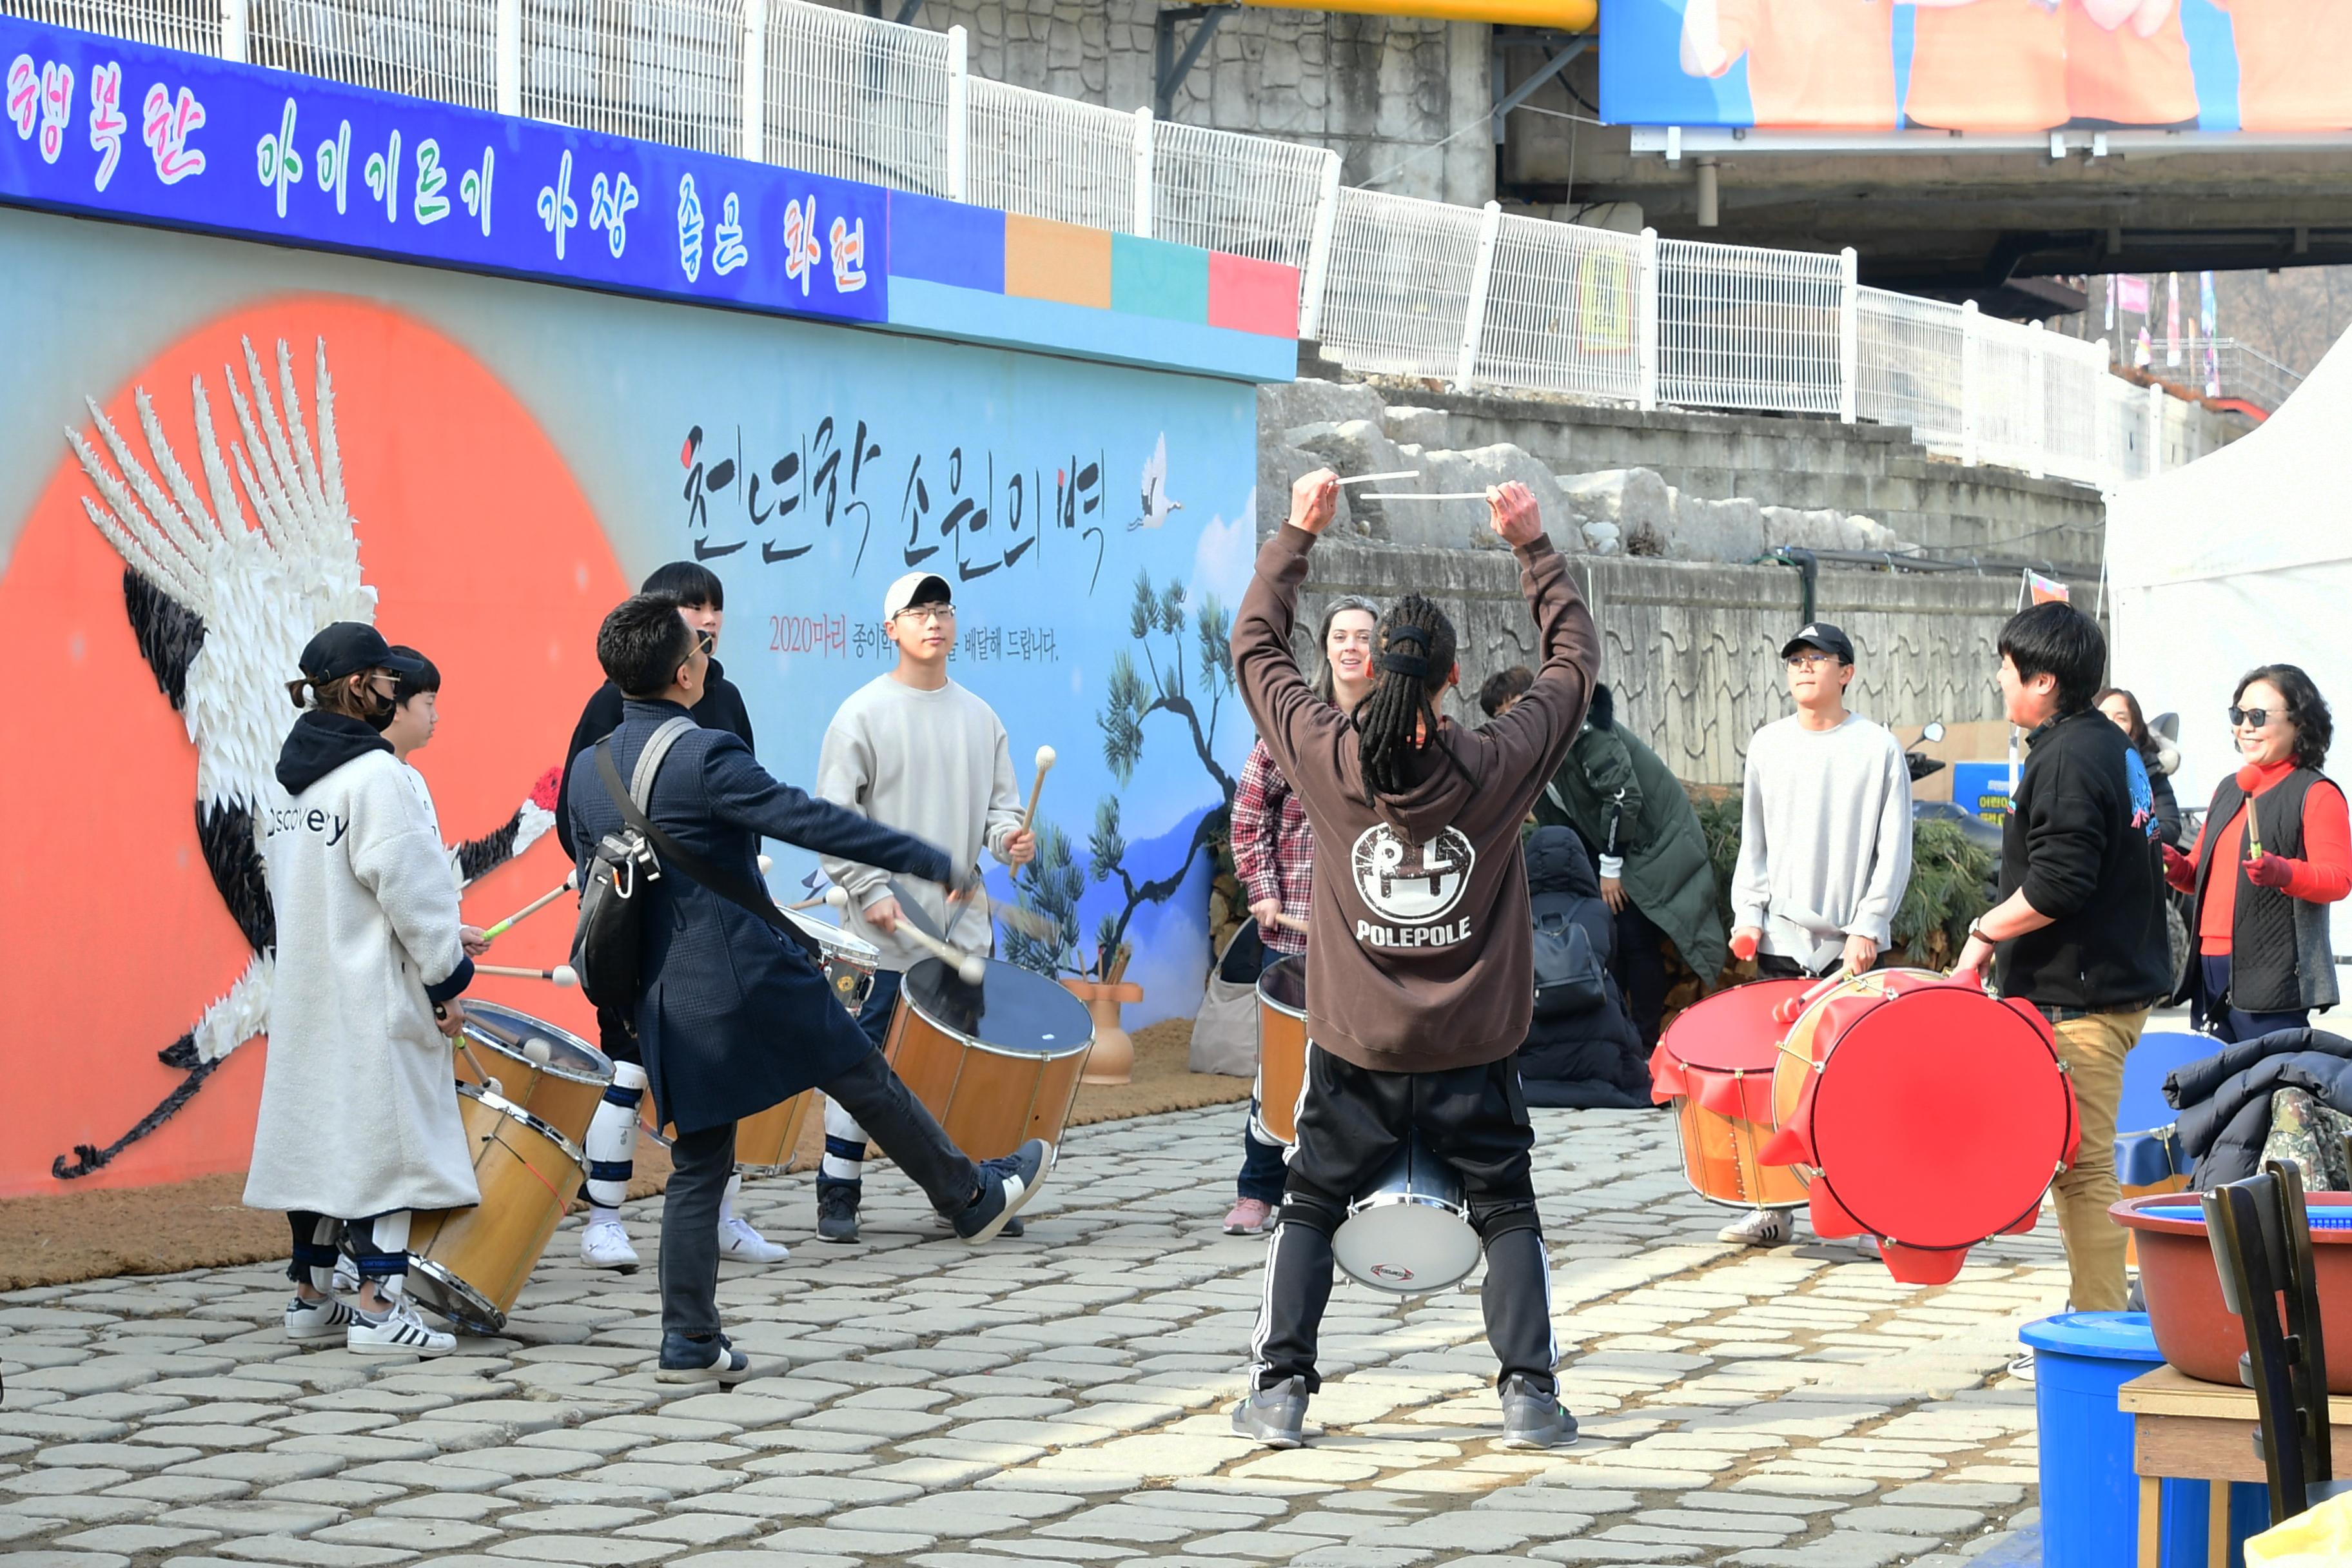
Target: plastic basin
(2196, 1332)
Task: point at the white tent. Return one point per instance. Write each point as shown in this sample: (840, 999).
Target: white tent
(2242, 558)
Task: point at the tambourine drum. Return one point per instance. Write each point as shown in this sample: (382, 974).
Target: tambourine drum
(1920, 1111)
(848, 961)
(1715, 1062)
(1409, 1232)
(1281, 1049)
(998, 1062)
(564, 1091)
(470, 1264)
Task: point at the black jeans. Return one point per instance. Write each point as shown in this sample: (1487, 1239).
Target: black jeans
(1641, 971)
(1474, 1119)
(2232, 1023)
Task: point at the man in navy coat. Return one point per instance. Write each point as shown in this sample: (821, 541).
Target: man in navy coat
(734, 1017)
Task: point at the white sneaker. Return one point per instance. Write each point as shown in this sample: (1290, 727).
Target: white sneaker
(739, 1241)
(399, 1332)
(318, 1320)
(605, 1244)
(1765, 1227)
(347, 1278)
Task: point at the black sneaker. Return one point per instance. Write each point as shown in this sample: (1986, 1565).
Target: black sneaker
(1533, 1416)
(1005, 1184)
(1276, 1416)
(837, 1210)
(713, 1360)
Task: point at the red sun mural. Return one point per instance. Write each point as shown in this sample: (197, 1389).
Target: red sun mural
(126, 932)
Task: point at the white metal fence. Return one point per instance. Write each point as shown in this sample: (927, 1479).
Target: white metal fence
(1388, 283)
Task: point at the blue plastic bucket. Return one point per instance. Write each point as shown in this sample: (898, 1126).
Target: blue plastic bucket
(2090, 1498)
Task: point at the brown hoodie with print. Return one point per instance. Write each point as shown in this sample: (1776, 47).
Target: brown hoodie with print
(1420, 942)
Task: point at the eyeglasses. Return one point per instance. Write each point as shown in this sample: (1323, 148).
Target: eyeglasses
(927, 613)
(2251, 718)
(1811, 661)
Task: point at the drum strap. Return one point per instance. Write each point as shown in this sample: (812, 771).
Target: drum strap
(735, 889)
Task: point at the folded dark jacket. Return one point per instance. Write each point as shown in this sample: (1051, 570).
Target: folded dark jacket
(2197, 1082)
(2224, 1127)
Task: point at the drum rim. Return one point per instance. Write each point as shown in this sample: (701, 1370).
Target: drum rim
(491, 1319)
(1284, 1008)
(550, 1066)
(506, 1107)
(1770, 1052)
(1390, 1200)
(500, 1010)
(915, 1006)
(846, 945)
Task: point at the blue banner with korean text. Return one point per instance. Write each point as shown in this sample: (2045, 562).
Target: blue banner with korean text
(106, 128)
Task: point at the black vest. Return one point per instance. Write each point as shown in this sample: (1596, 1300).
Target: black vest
(2274, 936)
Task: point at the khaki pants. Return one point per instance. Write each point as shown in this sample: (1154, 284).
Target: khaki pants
(2092, 1049)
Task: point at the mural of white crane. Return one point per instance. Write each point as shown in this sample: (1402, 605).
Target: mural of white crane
(222, 602)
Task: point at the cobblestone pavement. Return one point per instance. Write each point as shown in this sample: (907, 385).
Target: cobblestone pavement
(1056, 1400)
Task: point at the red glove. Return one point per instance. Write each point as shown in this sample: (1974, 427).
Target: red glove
(2179, 870)
(2270, 870)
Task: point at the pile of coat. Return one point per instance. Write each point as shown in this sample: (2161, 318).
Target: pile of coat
(2264, 1097)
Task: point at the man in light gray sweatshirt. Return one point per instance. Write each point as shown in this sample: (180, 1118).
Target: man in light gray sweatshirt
(914, 751)
(1824, 841)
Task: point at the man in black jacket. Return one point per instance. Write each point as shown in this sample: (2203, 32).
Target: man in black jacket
(613, 1134)
(2080, 930)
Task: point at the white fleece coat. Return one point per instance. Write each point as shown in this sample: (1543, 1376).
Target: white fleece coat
(359, 1108)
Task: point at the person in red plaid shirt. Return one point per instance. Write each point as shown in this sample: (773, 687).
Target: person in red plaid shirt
(1273, 855)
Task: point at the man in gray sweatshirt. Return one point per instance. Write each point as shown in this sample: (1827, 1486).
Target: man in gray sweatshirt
(1824, 841)
(914, 751)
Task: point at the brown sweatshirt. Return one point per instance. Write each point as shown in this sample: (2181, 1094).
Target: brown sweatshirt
(1419, 949)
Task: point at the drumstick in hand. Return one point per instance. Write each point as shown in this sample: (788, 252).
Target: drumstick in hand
(1288, 923)
(969, 967)
(494, 932)
(1044, 766)
(836, 896)
(563, 975)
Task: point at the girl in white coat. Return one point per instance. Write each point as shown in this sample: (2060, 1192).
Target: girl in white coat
(358, 1120)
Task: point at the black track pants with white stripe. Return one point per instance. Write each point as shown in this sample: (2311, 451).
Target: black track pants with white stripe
(1350, 1120)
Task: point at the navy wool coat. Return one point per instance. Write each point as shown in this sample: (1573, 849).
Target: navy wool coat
(735, 1017)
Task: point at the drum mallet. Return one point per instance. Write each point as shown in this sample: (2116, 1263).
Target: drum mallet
(492, 933)
(969, 967)
(563, 975)
(1044, 766)
(1287, 923)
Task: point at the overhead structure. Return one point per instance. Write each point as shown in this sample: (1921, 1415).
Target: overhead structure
(2239, 559)
(1559, 16)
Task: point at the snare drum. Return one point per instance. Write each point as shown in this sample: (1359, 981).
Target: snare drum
(997, 1063)
(1714, 1062)
(1920, 1111)
(1281, 1049)
(1410, 1231)
(848, 961)
(470, 1264)
(564, 1091)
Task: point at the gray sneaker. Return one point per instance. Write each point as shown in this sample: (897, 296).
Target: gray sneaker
(1274, 1418)
(1533, 1416)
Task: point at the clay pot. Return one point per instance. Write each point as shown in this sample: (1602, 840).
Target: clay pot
(2195, 1331)
(1112, 1060)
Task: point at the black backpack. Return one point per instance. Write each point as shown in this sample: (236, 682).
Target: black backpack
(608, 945)
(1569, 979)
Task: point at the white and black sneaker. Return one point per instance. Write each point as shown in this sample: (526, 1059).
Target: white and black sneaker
(1005, 1184)
(711, 1360)
(399, 1332)
(1765, 1227)
(318, 1320)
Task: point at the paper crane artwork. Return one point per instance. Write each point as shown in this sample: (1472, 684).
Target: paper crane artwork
(223, 588)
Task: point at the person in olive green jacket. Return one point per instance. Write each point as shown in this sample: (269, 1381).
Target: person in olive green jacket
(1654, 874)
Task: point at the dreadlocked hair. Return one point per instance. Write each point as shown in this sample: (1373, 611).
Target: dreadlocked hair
(1414, 650)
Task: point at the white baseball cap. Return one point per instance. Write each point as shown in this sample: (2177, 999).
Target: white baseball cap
(914, 585)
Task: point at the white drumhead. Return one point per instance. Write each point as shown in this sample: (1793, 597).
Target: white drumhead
(1406, 1246)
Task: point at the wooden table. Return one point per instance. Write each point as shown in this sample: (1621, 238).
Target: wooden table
(2186, 1430)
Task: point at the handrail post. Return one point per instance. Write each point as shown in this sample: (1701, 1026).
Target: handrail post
(755, 80)
(1474, 317)
(2100, 440)
(2155, 429)
(1645, 315)
(235, 23)
(1318, 276)
(1971, 381)
(1849, 334)
(959, 109)
(1143, 171)
(507, 66)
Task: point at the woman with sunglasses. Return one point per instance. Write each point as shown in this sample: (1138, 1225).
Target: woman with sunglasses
(2274, 852)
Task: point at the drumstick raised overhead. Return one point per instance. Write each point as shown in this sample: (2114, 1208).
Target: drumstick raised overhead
(563, 975)
(969, 967)
(1044, 766)
(491, 934)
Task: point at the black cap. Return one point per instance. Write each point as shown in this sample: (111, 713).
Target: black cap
(1822, 636)
(347, 647)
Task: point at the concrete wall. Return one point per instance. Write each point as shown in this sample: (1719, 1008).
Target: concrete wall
(1691, 650)
(1380, 90)
(1876, 469)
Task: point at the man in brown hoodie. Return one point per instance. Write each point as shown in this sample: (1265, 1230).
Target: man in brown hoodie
(1419, 959)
